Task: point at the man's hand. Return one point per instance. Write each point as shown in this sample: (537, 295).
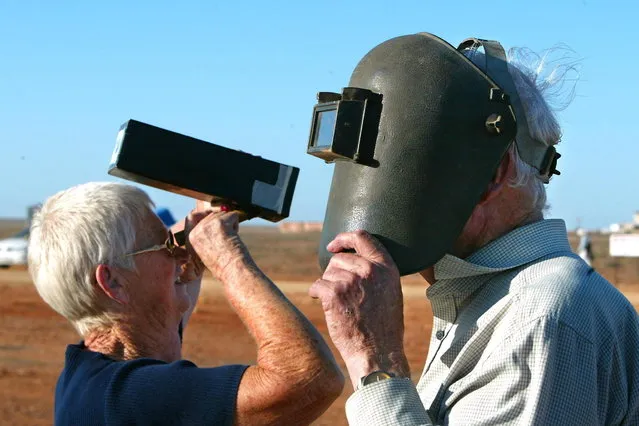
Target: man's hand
(363, 303)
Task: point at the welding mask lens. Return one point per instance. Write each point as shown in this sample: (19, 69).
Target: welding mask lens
(325, 128)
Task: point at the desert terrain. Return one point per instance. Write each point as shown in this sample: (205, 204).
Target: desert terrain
(33, 337)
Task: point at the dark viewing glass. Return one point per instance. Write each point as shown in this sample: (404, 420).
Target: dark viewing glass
(325, 128)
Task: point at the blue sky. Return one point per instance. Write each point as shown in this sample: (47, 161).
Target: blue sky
(244, 74)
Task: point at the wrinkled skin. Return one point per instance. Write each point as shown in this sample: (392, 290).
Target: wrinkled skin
(362, 299)
(296, 377)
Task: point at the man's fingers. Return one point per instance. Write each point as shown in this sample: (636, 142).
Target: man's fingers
(362, 242)
(345, 277)
(330, 293)
(319, 289)
(353, 263)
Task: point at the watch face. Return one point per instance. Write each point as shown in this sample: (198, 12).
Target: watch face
(375, 376)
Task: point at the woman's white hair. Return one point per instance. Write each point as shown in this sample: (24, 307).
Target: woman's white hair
(546, 84)
(75, 231)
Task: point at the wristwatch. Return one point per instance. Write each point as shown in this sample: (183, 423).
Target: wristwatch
(375, 376)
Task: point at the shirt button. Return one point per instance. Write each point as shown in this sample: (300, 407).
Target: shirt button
(439, 334)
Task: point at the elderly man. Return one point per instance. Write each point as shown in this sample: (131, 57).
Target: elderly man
(524, 332)
(101, 258)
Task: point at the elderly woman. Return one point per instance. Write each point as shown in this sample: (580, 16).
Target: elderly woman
(101, 258)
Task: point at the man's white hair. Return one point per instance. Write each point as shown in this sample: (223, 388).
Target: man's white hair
(76, 230)
(540, 80)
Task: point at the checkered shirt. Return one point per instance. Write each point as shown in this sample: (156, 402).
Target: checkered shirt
(524, 333)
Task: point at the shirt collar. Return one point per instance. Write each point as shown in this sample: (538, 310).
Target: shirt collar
(518, 247)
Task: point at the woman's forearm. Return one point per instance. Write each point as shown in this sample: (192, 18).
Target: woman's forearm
(296, 375)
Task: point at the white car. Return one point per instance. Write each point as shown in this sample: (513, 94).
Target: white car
(13, 251)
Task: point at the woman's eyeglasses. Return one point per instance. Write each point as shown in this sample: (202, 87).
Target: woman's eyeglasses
(169, 245)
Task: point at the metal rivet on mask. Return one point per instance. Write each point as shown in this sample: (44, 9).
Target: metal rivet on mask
(493, 123)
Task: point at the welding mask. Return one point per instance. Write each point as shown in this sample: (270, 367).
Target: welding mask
(415, 140)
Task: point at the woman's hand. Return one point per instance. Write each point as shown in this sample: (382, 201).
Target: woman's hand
(193, 269)
(216, 241)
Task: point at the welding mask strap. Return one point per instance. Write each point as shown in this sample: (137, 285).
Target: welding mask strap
(535, 153)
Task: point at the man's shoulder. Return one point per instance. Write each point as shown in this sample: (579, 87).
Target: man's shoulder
(565, 277)
(564, 288)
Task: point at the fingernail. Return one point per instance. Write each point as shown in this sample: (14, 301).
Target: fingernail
(225, 208)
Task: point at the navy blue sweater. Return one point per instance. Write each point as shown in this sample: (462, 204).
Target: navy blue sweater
(96, 390)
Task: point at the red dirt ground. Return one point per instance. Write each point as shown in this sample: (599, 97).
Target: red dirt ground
(33, 339)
